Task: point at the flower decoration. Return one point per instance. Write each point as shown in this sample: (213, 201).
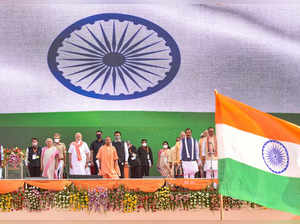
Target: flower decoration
(13, 157)
(121, 199)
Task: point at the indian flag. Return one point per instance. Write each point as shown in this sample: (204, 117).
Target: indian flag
(145, 68)
(259, 156)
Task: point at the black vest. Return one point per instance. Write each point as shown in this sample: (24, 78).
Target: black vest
(120, 147)
(34, 162)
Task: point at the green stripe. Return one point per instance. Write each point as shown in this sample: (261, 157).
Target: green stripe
(106, 118)
(117, 118)
(18, 129)
(244, 182)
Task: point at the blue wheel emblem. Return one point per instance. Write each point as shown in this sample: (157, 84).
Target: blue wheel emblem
(114, 57)
(275, 156)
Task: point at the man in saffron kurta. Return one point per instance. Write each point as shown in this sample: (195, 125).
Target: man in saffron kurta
(108, 160)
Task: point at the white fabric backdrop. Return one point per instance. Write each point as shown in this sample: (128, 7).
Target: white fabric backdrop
(250, 52)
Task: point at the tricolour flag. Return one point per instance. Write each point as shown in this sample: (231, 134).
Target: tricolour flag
(258, 156)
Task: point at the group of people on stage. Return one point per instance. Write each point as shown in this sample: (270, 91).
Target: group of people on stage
(104, 157)
(108, 158)
(189, 157)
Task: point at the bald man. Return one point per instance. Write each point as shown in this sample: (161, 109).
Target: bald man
(108, 160)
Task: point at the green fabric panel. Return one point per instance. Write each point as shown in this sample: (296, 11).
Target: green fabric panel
(18, 129)
(244, 182)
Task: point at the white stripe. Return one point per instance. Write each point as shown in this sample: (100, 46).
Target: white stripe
(246, 148)
(186, 148)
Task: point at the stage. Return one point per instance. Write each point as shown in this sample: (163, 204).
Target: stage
(152, 186)
(246, 215)
(145, 185)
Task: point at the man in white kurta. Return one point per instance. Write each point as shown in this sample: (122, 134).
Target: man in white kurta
(211, 161)
(78, 156)
(189, 155)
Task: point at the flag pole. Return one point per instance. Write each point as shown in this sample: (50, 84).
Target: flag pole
(221, 207)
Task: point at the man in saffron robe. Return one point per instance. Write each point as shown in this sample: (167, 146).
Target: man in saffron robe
(79, 156)
(108, 160)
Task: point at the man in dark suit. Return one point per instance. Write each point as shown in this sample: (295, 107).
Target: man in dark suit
(94, 147)
(134, 161)
(122, 150)
(146, 157)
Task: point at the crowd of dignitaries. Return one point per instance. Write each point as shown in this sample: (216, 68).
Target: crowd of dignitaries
(104, 157)
(188, 158)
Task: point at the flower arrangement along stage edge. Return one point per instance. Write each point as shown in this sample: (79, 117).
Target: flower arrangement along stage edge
(168, 197)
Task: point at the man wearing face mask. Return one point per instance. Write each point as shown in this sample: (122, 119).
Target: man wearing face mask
(33, 158)
(146, 157)
(94, 148)
(61, 147)
(122, 150)
(134, 161)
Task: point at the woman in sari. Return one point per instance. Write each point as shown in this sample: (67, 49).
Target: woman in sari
(162, 163)
(49, 159)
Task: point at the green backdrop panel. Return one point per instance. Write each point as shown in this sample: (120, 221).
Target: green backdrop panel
(18, 129)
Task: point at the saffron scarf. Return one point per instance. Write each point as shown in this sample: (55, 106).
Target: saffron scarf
(77, 148)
